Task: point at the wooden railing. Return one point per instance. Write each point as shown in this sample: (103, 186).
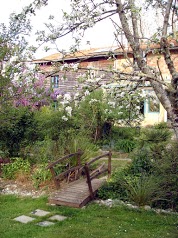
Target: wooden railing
(78, 168)
(67, 173)
(95, 173)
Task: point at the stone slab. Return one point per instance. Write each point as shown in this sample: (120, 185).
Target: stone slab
(40, 213)
(24, 219)
(45, 223)
(57, 217)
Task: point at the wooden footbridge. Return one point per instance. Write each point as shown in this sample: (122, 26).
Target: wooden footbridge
(82, 182)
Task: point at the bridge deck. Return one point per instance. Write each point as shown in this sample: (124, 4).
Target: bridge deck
(75, 194)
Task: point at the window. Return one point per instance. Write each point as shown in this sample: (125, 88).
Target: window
(55, 81)
(153, 105)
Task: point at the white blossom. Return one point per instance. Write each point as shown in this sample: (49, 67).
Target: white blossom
(64, 118)
(90, 80)
(86, 92)
(69, 110)
(13, 59)
(64, 66)
(74, 66)
(92, 101)
(67, 97)
(122, 94)
(97, 80)
(76, 95)
(112, 104)
(59, 96)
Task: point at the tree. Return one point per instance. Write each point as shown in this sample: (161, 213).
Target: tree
(20, 84)
(19, 80)
(85, 14)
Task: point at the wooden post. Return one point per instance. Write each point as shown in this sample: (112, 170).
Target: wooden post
(89, 181)
(109, 164)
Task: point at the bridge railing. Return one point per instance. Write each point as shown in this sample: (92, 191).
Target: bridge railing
(100, 170)
(67, 173)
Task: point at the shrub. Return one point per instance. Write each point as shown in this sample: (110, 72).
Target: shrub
(40, 174)
(154, 135)
(152, 176)
(141, 162)
(166, 169)
(40, 151)
(124, 132)
(84, 143)
(125, 145)
(18, 165)
(161, 125)
(114, 188)
(19, 130)
(141, 190)
(121, 139)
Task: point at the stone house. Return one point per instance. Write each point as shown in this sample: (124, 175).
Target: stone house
(105, 58)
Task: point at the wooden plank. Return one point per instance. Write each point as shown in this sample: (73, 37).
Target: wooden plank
(76, 194)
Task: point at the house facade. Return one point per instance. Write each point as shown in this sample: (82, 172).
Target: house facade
(105, 59)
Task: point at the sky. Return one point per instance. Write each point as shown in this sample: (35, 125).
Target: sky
(102, 35)
(97, 36)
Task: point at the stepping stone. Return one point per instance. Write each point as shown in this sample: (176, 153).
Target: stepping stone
(57, 217)
(24, 219)
(40, 213)
(45, 223)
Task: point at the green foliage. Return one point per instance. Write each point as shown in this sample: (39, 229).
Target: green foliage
(114, 188)
(161, 125)
(158, 157)
(40, 151)
(50, 123)
(141, 190)
(123, 138)
(40, 175)
(81, 141)
(18, 130)
(91, 114)
(141, 162)
(124, 132)
(151, 177)
(125, 145)
(138, 189)
(154, 135)
(17, 165)
(166, 168)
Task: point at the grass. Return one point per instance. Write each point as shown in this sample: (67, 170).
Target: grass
(118, 161)
(93, 221)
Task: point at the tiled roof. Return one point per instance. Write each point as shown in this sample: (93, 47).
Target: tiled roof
(95, 52)
(78, 55)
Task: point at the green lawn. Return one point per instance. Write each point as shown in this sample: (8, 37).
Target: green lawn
(93, 221)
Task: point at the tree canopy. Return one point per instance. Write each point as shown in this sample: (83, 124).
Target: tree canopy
(130, 22)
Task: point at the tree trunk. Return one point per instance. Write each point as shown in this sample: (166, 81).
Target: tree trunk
(167, 97)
